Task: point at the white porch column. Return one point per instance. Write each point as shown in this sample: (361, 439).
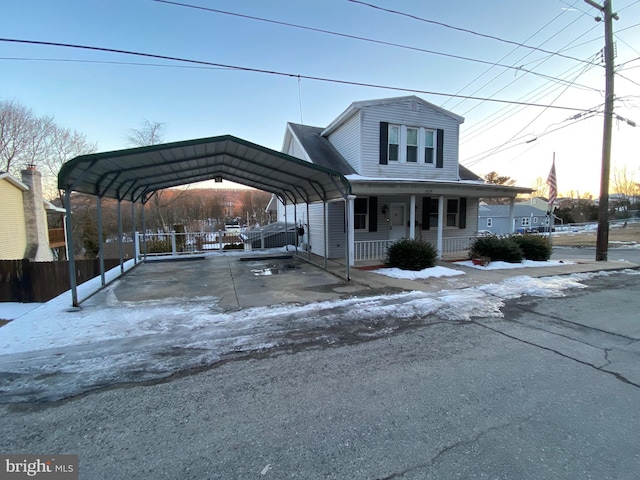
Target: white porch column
(412, 217)
(439, 244)
(512, 202)
(351, 245)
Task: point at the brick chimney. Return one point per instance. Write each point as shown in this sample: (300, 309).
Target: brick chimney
(35, 217)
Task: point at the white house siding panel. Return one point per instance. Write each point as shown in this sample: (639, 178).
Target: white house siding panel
(346, 140)
(295, 150)
(13, 231)
(401, 114)
(316, 235)
(337, 235)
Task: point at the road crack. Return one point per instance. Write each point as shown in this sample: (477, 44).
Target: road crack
(616, 375)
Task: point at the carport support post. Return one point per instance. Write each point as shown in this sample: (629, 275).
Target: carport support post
(286, 227)
(100, 240)
(308, 235)
(512, 207)
(71, 256)
(144, 231)
(120, 246)
(439, 242)
(412, 217)
(133, 231)
(326, 232)
(295, 223)
(349, 201)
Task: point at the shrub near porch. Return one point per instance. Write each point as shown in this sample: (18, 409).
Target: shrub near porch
(409, 254)
(512, 249)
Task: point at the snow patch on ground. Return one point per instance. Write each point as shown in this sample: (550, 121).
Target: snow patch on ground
(506, 265)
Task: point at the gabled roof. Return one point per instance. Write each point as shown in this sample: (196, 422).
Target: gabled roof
(135, 174)
(355, 106)
(319, 149)
(519, 210)
(13, 181)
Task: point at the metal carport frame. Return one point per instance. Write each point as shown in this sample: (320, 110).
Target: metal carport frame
(135, 174)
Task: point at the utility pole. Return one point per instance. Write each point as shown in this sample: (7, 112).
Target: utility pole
(602, 238)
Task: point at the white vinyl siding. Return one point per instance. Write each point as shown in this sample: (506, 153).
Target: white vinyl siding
(346, 140)
(401, 114)
(295, 150)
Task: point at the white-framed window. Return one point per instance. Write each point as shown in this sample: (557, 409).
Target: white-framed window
(525, 222)
(452, 213)
(535, 220)
(361, 213)
(412, 145)
(394, 143)
(489, 222)
(429, 146)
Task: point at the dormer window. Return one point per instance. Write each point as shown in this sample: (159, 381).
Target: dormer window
(429, 146)
(394, 143)
(412, 145)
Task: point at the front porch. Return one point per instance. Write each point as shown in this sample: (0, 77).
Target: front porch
(452, 248)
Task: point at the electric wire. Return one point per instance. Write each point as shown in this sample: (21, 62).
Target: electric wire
(270, 72)
(536, 117)
(349, 36)
(478, 77)
(465, 30)
(519, 78)
(497, 117)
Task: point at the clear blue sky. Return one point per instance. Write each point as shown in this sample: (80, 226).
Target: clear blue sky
(104, 100)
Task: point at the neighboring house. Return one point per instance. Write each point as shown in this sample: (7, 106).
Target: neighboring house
(497, 218)
(24, 231)
(400, 156)
(537, 202)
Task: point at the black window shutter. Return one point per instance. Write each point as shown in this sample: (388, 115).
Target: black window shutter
(463, 213)
(384, 143)
(440, 149)
(373, 214)
(426, 201)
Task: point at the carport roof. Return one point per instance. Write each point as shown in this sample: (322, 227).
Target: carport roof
(135, 174)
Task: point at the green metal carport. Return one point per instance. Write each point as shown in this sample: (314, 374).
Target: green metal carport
(135, 174)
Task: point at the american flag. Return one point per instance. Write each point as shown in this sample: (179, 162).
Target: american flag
(553, 186)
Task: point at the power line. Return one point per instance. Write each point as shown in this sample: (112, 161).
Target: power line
(584, 116)
(352, 37)
(528, 124)
(508, 110)
(106, 62)
(275, 72)
(505, 56)
(465, 30)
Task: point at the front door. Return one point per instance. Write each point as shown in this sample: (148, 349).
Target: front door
(397, 222)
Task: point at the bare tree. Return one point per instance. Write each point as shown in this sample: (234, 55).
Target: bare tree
(63, 145)
(26, 139)
(16, 125)
(149, 133)
(624, 183)
(541, 189)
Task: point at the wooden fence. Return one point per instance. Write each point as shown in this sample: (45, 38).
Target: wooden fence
(25, 281)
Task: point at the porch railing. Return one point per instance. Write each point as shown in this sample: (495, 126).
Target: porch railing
(174, 243)
(377, 249)
(371, 249)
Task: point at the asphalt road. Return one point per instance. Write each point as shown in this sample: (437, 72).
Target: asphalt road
(550, 391)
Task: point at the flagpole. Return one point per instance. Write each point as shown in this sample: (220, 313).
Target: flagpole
(553, 192)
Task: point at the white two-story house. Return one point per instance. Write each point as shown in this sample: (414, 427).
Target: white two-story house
(400, 156)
